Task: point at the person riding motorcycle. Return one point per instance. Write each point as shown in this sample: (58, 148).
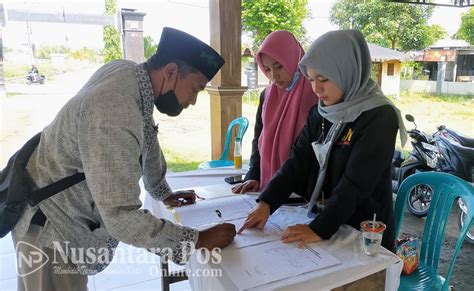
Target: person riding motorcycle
(34, 76)
(34, 70)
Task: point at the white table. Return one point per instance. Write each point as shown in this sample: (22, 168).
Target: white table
(189, 180)
(343, 245)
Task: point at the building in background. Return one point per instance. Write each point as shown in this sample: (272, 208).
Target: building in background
(452, 58)
(386, 68)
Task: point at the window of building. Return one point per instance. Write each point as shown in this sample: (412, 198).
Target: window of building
(390, 69)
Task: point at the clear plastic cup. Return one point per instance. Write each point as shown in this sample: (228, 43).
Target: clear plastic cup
(371, 236)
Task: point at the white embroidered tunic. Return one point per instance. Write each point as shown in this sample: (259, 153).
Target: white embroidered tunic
(106, 131)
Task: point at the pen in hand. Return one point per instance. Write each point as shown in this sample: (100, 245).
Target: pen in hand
(199, 197)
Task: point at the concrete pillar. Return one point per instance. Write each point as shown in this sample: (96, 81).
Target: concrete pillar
(440, 78)
(225, 89)
(132, 35)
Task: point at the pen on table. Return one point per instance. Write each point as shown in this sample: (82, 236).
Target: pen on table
(199, 197)
(219, 214)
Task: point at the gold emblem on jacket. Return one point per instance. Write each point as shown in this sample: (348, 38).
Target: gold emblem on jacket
(346, 138)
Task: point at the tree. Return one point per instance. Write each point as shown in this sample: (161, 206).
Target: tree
(112, 47)
(466, 31)
(85, 54)
(395, 25)
(260, 17)
(44, 52)
(150, 46)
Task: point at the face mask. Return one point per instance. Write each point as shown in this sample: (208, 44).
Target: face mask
(168, 103)
(294, 81)
(322, 150)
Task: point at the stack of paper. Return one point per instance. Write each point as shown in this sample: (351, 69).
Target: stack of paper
(264, 263)
(213, 211)
(255, 257)
(273, 230)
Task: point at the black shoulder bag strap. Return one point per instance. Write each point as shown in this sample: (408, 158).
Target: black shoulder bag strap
(37, 196)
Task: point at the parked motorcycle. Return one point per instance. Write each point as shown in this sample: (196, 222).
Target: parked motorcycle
(422, 158)
(466, 151)
(33, 77)
(437, 152)
(462, 219)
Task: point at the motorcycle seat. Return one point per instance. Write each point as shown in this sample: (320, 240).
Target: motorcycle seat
(464, 140)
(465, 164)
(467, 152)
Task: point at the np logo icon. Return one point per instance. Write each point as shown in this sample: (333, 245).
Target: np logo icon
(30, 258)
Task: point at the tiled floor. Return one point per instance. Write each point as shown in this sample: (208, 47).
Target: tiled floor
(132, 269)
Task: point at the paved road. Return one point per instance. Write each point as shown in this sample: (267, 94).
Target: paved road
(27, 109)
(31, 107)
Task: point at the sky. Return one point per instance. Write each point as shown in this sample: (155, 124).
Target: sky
(191, 16)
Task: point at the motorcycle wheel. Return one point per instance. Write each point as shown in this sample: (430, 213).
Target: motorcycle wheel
(470, 234)
(41, 81)
(419, 200)
(28, 81)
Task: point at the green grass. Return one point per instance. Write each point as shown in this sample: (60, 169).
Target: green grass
(423, 97)
(252, 97)
(15, 70)
(179, 163)
(430, 111)
(13, 94)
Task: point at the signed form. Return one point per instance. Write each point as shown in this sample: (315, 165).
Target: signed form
(277, 223)
(256, 265)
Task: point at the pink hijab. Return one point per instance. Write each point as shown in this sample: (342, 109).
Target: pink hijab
(284, 112)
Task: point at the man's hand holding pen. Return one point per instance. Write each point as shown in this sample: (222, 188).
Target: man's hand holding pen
(181, 198)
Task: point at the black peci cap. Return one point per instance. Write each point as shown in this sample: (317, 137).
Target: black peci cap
(177, 45)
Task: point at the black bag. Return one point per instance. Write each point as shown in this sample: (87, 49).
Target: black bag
(16, 189)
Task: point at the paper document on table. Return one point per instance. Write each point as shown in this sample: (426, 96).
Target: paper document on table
(213, 191)
(214, 210)
(254, 236)
(264, 263)
(290, 215)
(274, 228)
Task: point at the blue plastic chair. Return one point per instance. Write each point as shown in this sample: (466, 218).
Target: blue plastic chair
(446, 189)
(243, 124)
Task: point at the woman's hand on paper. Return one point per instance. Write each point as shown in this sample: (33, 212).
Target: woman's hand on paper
(247, 186)
(218, 236)
(180, 198)
(300, 233)
(257, 217)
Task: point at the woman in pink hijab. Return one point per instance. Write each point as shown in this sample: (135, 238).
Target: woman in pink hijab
(283, 108)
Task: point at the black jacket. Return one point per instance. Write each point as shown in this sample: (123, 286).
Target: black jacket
(254, 164)
(358, 181)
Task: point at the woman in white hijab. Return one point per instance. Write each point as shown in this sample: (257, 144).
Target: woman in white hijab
(343, 156)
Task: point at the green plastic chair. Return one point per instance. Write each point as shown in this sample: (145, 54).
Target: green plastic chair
(243, 124)
(446, 189)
